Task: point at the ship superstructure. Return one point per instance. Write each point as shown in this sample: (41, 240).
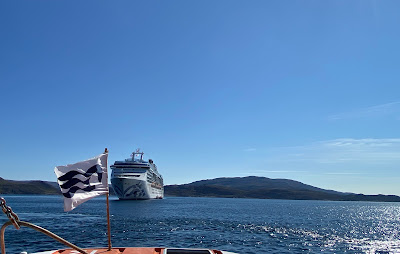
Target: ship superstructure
(135, 178)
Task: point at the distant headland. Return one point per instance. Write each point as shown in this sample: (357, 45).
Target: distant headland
(28, 187)
(266, 188)
(227, 187)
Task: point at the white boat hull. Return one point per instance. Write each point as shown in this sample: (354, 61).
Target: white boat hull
(128, 188)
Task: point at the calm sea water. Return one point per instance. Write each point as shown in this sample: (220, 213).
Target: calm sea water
(239, 225)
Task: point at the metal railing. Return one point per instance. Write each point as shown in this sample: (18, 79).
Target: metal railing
(14, 220)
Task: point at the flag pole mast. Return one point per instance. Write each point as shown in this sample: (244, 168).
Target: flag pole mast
(108, 209)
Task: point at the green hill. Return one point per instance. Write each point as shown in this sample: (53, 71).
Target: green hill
(266, 188)
(27, 187)
(227, 187)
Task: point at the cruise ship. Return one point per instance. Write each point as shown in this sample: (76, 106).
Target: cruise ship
(135, 178)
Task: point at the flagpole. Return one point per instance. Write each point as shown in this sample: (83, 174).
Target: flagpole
(108, 209)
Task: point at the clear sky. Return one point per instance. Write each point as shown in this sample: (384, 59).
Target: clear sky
(303, 90)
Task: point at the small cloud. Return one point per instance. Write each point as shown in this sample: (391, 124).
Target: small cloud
(263, 172)
(373, 111)
(283, 171)
(341, 151)
(343, 173)
(249, 150)
(359, 143)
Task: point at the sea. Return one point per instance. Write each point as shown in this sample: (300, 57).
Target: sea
(237, 225)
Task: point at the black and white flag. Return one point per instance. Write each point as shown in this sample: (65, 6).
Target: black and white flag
(82, 181)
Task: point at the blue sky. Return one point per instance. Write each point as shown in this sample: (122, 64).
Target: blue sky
(304, 90)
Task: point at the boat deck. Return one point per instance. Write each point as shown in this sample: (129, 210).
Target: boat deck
(138, 251)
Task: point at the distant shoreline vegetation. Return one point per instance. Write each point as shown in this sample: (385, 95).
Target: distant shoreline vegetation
(28, 187)
(234, 187)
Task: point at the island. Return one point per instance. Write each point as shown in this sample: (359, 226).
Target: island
(225, 187)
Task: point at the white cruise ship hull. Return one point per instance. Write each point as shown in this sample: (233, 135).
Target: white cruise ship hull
(128, 188)
(136, 178)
